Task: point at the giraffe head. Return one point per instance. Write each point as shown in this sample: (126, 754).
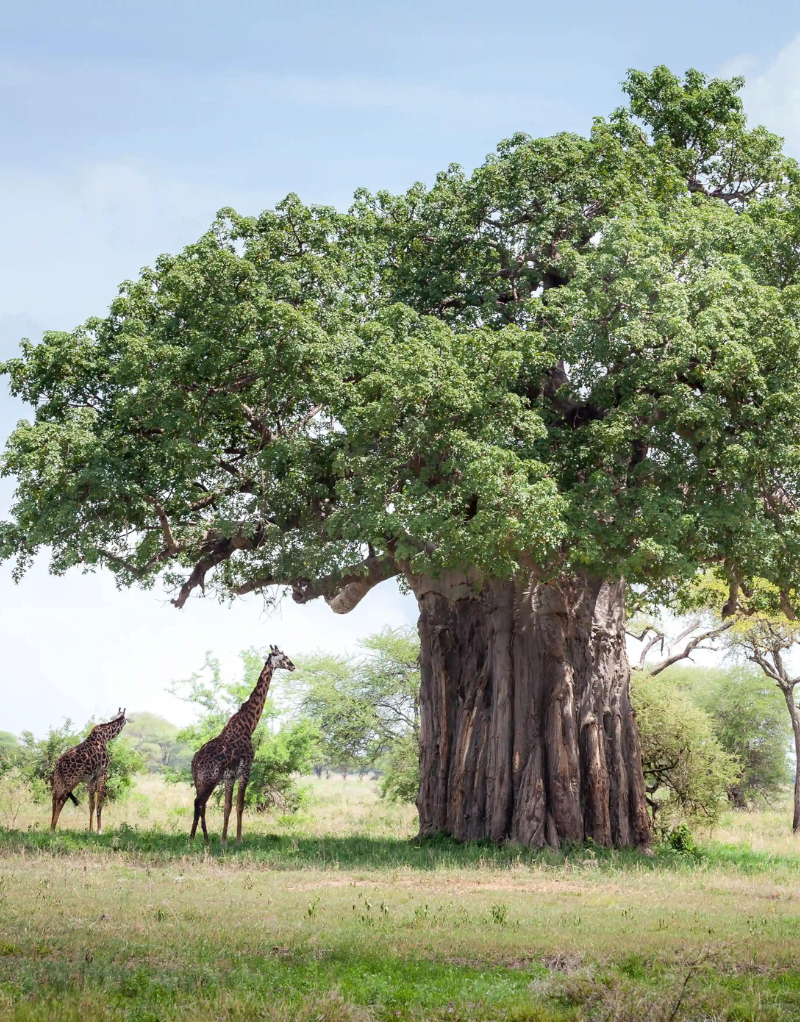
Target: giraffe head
(117, 722)
(279, 660)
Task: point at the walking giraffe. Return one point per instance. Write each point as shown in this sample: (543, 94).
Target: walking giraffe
(230, 755)
(85, 762)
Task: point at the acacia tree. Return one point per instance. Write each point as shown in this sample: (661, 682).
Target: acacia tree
(512, 391)
(769, 641)
(365, 706)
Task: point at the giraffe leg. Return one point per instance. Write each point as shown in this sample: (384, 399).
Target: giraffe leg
(230, 777)
(101, 794)
(203, 819)
(196, 818)
(244, 777)
(59, 802)
(203, 795)
(91, 787)
(240, 793)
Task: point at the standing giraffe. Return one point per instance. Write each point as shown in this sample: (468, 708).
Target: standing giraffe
(85, 762)
(230, 755)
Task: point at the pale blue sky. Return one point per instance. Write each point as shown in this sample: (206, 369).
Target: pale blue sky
(125, 126)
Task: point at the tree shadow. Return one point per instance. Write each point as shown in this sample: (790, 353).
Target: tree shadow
(290, 852)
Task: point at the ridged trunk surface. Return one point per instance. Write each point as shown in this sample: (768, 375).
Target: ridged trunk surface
(527, 730)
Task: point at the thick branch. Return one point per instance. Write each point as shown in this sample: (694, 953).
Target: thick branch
(216, 551)
(170, 546)
(341, 592)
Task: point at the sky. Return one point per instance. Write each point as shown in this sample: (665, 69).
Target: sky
(124, 127)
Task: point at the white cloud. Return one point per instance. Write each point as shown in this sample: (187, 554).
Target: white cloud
(772, 96)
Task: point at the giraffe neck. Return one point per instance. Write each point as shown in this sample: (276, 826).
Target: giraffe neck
(103, 733)
(250, 711)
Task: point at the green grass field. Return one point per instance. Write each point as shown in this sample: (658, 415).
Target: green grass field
(338, 914)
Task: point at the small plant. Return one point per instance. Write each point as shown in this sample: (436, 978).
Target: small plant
(15, 793)
(311, 910)
(681, 839)
(499, 913)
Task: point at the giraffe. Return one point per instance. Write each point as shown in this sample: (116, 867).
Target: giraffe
(85, 762)
(230, 755)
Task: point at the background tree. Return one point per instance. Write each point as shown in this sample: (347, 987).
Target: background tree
(513, 390)
(9, 751)
(282, 748)
(366, 706)
(155, 739)
(750, 723)
(769, 642)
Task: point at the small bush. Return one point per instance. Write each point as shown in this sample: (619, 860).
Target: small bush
(687, 771)
(681, 839)
(400, 782)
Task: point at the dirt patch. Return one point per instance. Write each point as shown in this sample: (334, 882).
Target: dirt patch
(563, 961)
(462, 886)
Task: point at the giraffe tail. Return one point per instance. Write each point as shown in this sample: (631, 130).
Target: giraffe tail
(70, 795)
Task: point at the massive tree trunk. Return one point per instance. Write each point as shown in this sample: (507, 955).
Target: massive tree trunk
(527, 731)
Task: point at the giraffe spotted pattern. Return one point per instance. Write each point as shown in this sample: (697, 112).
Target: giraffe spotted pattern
(229, 756)
(86, 762)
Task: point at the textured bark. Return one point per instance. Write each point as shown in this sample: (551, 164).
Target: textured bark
(527, 731)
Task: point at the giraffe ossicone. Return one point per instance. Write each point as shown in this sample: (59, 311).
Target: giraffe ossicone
(229, 756)
(88, 762)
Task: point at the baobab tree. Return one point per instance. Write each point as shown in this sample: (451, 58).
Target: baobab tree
(512, 391)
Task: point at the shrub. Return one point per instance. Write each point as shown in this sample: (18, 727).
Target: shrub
(400, 781)
(687, 771)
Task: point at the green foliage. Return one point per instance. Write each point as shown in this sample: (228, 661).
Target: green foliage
(400, 780)
(282, 748)
(9, 751)
(750, 723)
(155, 739)
(681, 839)
(580, 357)
(687, 771)
(38, 757)
(366, 706)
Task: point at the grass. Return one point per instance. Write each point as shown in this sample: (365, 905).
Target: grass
(340, 915)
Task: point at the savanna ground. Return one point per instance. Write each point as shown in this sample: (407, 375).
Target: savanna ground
(338, 914)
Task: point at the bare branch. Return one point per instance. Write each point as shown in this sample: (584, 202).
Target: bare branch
(682, 635)
(691, 646)
(765, 666)
(657, 637)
